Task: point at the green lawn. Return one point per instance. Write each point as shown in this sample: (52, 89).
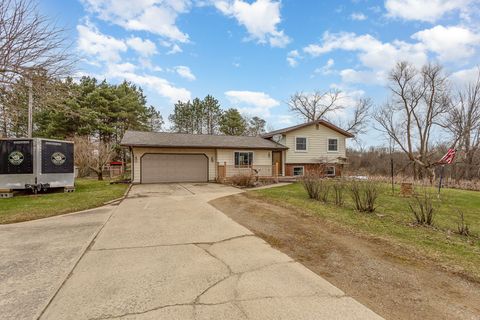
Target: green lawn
(89, 193)
(394, 222)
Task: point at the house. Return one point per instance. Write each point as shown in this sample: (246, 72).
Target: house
(316, 145)
(177, 157)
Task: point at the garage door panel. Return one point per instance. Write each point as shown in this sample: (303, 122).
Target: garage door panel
(174, 168)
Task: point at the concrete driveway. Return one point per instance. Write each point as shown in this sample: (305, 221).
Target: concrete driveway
(165, 253)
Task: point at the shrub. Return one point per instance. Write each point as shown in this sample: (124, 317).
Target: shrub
(243, 180)
(311, 185)
(423, 208)
(462, 228)
(324, 190)
(316, 187)
(364, 195)
(339, 189)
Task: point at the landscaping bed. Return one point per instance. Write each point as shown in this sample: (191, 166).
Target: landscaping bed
(89, 193)
(399, 269)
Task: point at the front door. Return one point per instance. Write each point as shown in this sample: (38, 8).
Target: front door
(277, 157)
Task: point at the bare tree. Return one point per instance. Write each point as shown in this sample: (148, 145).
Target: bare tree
(463, 121)
(419, 99)
(361, 112)
(92, 155)
(315, 106)
(30, 42)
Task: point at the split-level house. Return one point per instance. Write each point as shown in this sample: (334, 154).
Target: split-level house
(175, 157)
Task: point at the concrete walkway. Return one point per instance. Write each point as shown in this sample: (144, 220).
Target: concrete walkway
(165, 253)
(37, 256)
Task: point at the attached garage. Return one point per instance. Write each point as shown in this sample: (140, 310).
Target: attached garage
(158, 157)
(166, 167)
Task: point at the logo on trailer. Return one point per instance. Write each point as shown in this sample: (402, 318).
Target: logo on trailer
(15, 158)
(58, 158)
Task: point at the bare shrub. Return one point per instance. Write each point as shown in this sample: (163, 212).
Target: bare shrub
(462, 226)
(324, 190)
(364, 195)
(423, 208)
(316, 187)
(339, 189)
(310, 184)
(243, 180)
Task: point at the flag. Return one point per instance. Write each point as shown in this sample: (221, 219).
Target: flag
(448, 157)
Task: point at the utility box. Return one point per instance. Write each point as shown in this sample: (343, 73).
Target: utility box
(36, 164)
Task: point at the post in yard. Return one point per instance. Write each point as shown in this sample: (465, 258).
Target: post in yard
(30, 107)
(441, 179)
(391, 171)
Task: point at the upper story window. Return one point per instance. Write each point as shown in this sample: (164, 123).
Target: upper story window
(332, 144)
(300, 144)
(243, 159)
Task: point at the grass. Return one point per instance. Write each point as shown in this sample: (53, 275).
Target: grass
(89, 193)
(394, 222)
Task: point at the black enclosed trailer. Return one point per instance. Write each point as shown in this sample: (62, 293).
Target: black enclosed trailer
(36, 164)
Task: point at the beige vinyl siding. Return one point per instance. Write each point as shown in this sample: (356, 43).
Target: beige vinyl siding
(317, 145)
(262, 160)
(138, 152)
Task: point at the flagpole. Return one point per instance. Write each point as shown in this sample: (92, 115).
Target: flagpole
(441, 178)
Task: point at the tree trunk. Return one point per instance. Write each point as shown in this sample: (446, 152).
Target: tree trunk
(100, 175)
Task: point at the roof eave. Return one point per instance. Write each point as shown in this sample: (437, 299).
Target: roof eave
(199, 147)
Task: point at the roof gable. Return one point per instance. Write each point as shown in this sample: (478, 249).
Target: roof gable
(299, 126)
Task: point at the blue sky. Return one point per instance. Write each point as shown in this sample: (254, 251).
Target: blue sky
(253, 55)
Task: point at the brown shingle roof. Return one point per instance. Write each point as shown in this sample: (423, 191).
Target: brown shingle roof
(298, 126)
(182, 140)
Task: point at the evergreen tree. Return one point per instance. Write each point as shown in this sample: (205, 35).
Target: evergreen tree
(212, 114)
(232, 123)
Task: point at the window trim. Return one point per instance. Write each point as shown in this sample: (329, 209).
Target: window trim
(243, 151)
(306, 144)
(332, 174)
(328, 145)
(298, 175)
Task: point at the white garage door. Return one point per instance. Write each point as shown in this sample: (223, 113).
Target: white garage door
(174, 168)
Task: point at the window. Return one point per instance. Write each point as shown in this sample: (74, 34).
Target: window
(330, 171)
(243, 159)
(300, 144)
(298, 171)
(332, 144)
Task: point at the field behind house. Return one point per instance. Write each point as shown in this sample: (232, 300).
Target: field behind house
(89, 193)
(394, 222)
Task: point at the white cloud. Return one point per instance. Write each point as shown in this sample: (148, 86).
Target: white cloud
(257, 103)
(145, 47)
(358, 16)
(155, 16)
(372, 52)
(292, 58)
(362, 76)
(450, 43)
(175, 49)
(260, 18)
(423, 10)
(327, 68)
(185, 72)
(465, 76)
(162, 86)
(100, 46)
